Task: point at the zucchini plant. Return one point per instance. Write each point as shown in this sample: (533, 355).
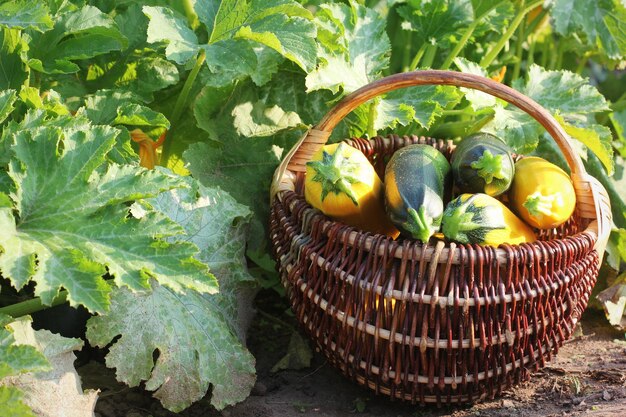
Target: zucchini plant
(210, 94)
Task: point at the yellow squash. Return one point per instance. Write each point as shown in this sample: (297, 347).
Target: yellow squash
(542, 194)
(342, 184)
(479, 218)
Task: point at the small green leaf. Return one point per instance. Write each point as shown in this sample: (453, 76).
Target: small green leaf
(253, 120)
(16, 358)
(435, 22)
(478, 100)
(601, 23)
(283, 25)
(618, 119)
(596, 138)
(7, 98)
(80, 34)
(166, 26)
(25, 14)
(12, 71)
(137, 115)
(354, 48)
(11, 402)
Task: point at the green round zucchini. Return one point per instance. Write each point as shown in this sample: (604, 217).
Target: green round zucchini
(482, 163)
(415, 181)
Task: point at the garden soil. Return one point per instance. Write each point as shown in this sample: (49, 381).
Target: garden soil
(587, 377)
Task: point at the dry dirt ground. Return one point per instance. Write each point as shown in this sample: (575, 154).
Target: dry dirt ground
(587, 377)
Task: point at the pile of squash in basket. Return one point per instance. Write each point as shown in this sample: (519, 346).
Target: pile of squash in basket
(497, 200)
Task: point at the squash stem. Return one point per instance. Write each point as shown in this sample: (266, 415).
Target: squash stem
(495, 50)
(371, 118)
(460, 44)
(419, 225)
(181, 103)
(463, 41)
(418, 57)
(429, 56)
(519, 50)
(32, 306)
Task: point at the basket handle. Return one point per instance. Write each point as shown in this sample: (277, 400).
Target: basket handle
(316, 137)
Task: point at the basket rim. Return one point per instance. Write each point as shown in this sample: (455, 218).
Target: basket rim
(367, 239)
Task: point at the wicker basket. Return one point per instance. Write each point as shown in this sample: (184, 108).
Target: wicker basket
(433, 323)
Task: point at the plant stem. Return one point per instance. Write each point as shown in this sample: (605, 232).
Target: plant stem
(181, 103)
(545, 52)
(582, 63)
(530, 60)
(460, 44)
(371, 118)
(495, 50)
(190, 13)
(31, 306)
(519, 50)
(406, 54)
(463, 41)
(429, 56)
(418, 56)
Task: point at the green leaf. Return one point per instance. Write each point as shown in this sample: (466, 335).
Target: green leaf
(25, 14)
(354, 48)
(56, 391)
(102, 106)
(217, 223)
(298, 355)
(560, 92)
(12, 71)
(138, 115)
(618, 119)
(7, 98)
(167, 26)
(16, 358)
(435, 22)
(230, 60)
(421, 104)
(50, 102)
(257, 119)
(601, 23)
(11, 402)
(478, 100)
(69, 198)
(596, 138)
(616, 249)
(613, 300)
(195, 347)
(244, 167)
(282, 25)
(80, 34)
(565, 91)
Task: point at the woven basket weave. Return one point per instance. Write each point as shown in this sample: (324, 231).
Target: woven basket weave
(437, 322)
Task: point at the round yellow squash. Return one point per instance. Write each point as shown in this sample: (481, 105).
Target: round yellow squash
(341, 183)
(542, 194)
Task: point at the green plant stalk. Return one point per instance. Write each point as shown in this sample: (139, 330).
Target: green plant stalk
(429, 56)
(545, 52)
(519, 50)
(460, 44)
(190, 13)
(530, 60)
(181, 103)
(463, 41)
(371, 118)
(554, 55)
(407, 52)
(418, 57)
(32, 306)
(495, 50)
(533, 25)
(582, 63)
